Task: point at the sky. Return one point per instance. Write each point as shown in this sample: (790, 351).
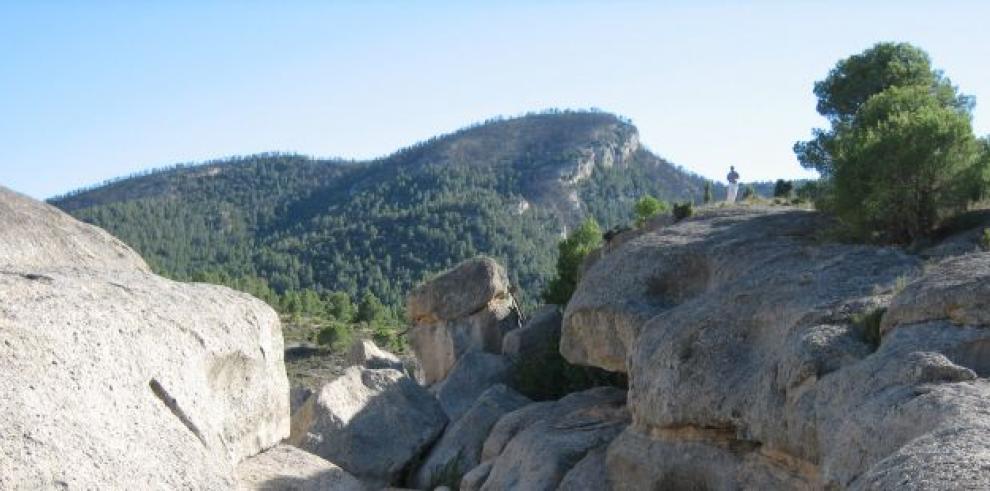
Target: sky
(95, 90)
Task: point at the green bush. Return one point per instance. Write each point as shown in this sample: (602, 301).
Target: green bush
(985, 239)
(389, 337)
(683, 210)
(572, 252)
(808, 191)
(782, 188)
(901, 155)
(335, 335)
(648, 207)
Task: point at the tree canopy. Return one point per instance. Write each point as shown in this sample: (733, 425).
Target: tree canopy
(572, 252)
(900, 153)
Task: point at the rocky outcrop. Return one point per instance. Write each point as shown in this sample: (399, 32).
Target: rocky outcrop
(288, 468)
(35, 236)
(535, 447)
(540, 334)
(372, 423)
(748, 345)
(458, 293)
(955, 290)
(364, 353)
(473, 374)
(115, 377)
(467, 309)
(460, 447)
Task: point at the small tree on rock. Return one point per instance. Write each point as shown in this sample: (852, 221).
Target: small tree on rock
(573, 250)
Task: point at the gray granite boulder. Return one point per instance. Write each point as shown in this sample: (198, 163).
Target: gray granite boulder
(365, 353)
(752, 353)
(460, 292)
(287, 468)
(559, 435)
(372, 423)
(114, 377)
(539, 335)
(461, 444)
(473, 374)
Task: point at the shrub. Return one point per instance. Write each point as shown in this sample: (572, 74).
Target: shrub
(336, 335)
(683, 210)
(572, 252)
(749, 192)
(389, 337)
(904, 165)
(808, 191)
(782, 188)
(901, 154)
(708, 197)
(985, 239)
(648, 207)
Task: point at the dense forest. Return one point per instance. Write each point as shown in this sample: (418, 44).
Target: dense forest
(274, 224)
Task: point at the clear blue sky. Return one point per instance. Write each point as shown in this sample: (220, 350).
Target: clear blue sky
(97, 90)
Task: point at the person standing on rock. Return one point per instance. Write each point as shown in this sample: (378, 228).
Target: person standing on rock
(733, 179)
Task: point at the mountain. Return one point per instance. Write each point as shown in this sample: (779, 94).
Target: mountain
(508, 188)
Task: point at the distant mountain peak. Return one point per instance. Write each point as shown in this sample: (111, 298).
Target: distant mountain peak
(507, 187)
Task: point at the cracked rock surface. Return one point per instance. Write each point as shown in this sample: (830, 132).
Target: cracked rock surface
(113, 377)
(748, 345)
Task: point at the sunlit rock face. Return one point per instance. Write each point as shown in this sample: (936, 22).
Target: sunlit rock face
(371, 422)
(468, 308)
(747, 340)
(114, 377)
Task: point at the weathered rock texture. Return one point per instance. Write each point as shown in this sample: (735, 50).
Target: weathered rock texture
(535, 447)
(288, 468)
(750, 365)
(460, 447)
(467, 309)
(372, 423)
(540, 334)
(460, 292)
(365, 353)
(473, 374)
(113, 377)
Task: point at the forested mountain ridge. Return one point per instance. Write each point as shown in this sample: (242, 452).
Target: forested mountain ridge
(508, 188)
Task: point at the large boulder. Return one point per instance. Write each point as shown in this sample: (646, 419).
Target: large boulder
(116, 378)
(540, 334)
(466, 309)
(372, 423)
(473, 374)
(36, 236)
(458, 293)
(460, 446)
(751, 347)
(559, 435)
(439, 346)
(955, 290)
(365, 353)
(290, 469)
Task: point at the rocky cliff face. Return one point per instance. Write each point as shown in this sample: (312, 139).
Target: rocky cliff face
(115, 378)
(749, 345)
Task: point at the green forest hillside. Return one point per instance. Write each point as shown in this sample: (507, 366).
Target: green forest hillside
(508, 188)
